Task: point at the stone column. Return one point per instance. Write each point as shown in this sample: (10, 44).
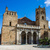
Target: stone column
(20, 39)
(26, 38)
(17, 37)
(32, 39)
(37, 38)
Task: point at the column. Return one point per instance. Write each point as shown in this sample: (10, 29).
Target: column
(32, 39)
(17, 37)
(37, 38)
(26, 38)
(20, 39)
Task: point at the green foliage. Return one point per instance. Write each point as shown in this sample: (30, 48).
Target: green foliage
(49, 41)
(44, 41)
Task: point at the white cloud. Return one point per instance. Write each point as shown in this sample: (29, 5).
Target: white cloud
(47, 18)
(47, 2)
(49, 24)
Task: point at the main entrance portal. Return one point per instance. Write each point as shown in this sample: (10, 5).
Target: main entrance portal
(34, 38)
(23, 37)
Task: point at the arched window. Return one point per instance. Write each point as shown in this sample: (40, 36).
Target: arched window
(10, 24)
(44, 26)
(42, 17)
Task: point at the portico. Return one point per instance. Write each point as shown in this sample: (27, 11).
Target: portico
(27, 34)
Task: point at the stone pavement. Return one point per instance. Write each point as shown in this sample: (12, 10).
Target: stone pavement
(21, 47)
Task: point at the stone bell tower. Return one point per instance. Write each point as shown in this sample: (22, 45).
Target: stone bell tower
(8, 27)
(41, 20)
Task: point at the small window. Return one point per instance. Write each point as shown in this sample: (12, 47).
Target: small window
(10, 23)
(42, 17)
(44, 26)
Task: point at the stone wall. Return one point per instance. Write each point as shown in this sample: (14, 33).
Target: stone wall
(8, 29)
(8, 35)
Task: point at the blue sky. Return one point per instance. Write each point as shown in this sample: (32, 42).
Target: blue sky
(24, 8)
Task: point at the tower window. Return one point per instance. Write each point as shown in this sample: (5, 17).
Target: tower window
(43, 17)
(44, 26)
(10, 23)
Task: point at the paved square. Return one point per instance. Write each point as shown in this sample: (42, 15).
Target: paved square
(21, 47)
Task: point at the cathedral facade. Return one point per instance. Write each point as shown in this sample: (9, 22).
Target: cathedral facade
(23, 30)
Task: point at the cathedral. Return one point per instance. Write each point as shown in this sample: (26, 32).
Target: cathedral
(23, 30)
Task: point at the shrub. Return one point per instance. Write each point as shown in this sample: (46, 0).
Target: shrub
(44, 41)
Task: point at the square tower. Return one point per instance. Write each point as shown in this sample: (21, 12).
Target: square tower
(41, 20)
(8, 27)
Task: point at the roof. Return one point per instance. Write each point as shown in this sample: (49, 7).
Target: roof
(25, 20)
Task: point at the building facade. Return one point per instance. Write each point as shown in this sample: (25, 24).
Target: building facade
(23, 30)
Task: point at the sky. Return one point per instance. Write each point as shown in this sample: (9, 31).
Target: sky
(24, 8)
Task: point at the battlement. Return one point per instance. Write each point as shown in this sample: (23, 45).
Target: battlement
(39, 8)
(40, 11)
(7, 12)
(11, 13)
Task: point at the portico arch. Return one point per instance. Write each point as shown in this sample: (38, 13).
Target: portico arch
(23, 37)
(34, 37)
(29, 37)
